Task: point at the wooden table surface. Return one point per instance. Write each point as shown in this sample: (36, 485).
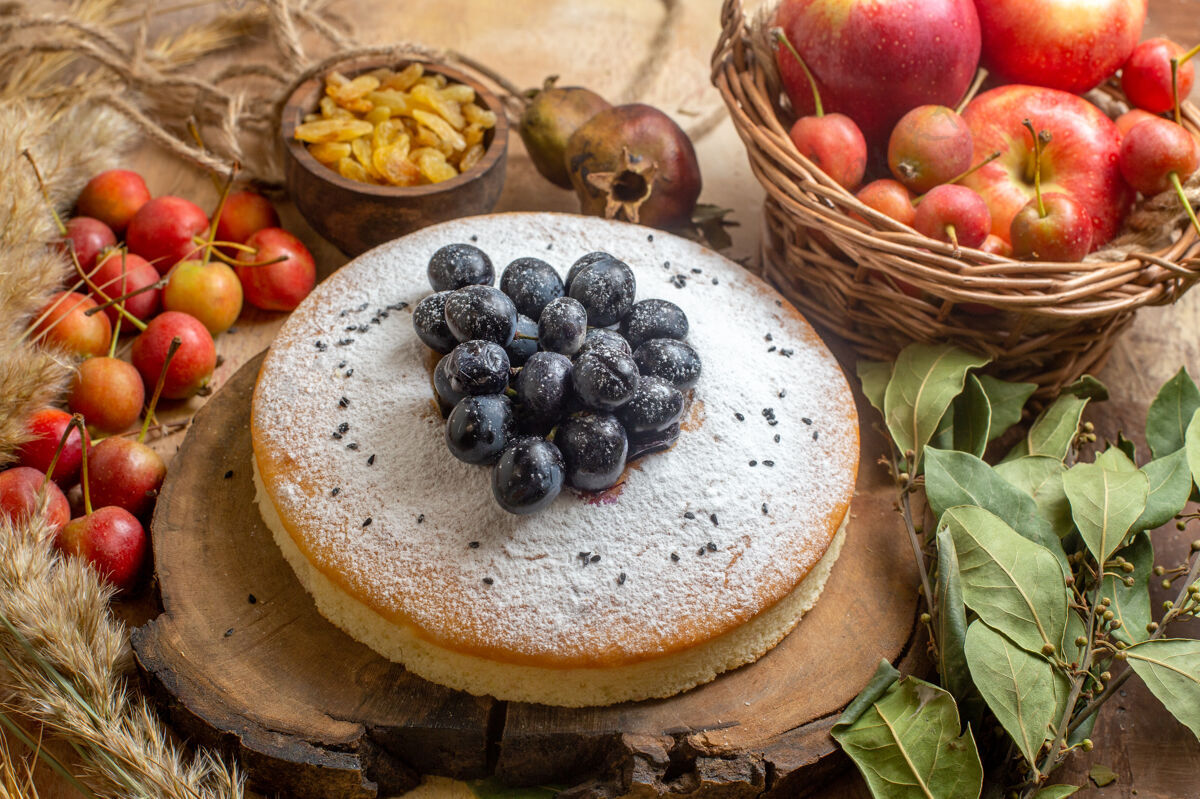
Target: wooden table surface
(599, 43)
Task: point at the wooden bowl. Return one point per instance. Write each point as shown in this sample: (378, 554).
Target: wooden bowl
(358, 216)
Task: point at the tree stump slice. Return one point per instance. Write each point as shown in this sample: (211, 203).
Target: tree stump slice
(240, 659)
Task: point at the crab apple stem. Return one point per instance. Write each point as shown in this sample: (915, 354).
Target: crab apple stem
(1187, 206)
(133, 320)
(1039, 139)
(158, 387)
(782, 38)
(112, 346)
(223, 258)
(972, 90)
(1175, 91)
(77, 421)
(975, 168)
(62, 444)
(37, 173)
(216, 217)
(158, 284)
(953, 235)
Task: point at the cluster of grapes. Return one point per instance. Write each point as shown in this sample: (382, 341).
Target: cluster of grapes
(553, 382)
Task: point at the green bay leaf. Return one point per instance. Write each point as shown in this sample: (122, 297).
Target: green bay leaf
(1170, 485)
(1016, 586)
(1170, 667)
(907, 745)
(972, 415)
(1170, 412)
(925, 380)
(951, 626)
(1131, 604)
(1053, 431)
(1193, 446)
(1105, 502)
(1056, 792)
(1017, 685)
(1007, 400)
(874, 376)
(1040, 476)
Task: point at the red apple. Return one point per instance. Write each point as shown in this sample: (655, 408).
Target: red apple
(113, 197)
(162, 231)
(138, 274)
(1156, 150)
(953, 214)
(1081, 160)
(888, 197)
(89, 237)
(46, 428)
(930, 145)
(108, 392)
(835, 145)
(64, 322)
(1070, 45)
(20, 497)
(111, 541)
(244, 214)
(125, 473)
(210, 292)
(190, 368)
(1056, 230)
(1146, 76)
(276, 286)
(874, 61)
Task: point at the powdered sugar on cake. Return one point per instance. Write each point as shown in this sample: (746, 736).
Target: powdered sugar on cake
(696, 541)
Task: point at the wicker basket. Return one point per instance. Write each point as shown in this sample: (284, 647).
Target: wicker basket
(1045, 323)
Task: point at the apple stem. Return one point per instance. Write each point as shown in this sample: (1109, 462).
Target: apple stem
(62, 444)
(782, 38)
(158, 387)
(917, 200)
(216, 217)
(972, 90)
(77, 421)
(112, 346)
(158, 284)
(952, 234)
(1187, 206)
(1175, 90)
(37, 173)
(1039, 139)
(133, 320)
(236, 263)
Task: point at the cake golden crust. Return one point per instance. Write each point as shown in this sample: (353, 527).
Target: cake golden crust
(349, 449)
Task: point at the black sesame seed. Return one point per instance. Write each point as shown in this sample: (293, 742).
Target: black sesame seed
(667, 264)
(768, 412)
(353, 445)
(753, 463)
(739, 416)
(700, 551)
(771, 348)
(343, 312)
(764, 509)
(594, 559)
(345, 341)
(333, 492)
(782, 393)
(322, 346)
(713, 518)
(679, 281)
(252, 599)
(337, 436)
(711, 546)
(621, 578)
(375, 319)
(474, 237)
(367, 522)
(229, 474)
(776, 438)
(768, 337)
(344, 403)
(351, 328)
(649, 237)
(785, 352)
(343, 427)
(341, 364)
(583, 556)
(550, 246)
(696, 270)
(488, 581)
(420, 518)
(675, 557)
(362, 307)
(474, 545)
(371, 460)
(229, 632)
(814, 435)
(778, 303)
(768, 464)
(772, 422)
(350, 372)
(689, 515)
(715, 281)
(806, 420)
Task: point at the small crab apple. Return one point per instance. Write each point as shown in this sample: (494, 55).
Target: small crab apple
(20, 496)
(211, 292)
(163, 231)
(88, 237)
(833, 142)
(953, 214)
(1146, 77)
(123, 274)
(190, 369)
(108, 392)
(1051, 227)
(244, 214)
(46, 428)
(279, 273)
(890, 198)
(929, 146)
(1156, 156)
(65, 322)
(1133, 116)
(996, 245)
(113, 197)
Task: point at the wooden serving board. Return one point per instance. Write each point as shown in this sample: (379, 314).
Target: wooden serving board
(241, 660)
